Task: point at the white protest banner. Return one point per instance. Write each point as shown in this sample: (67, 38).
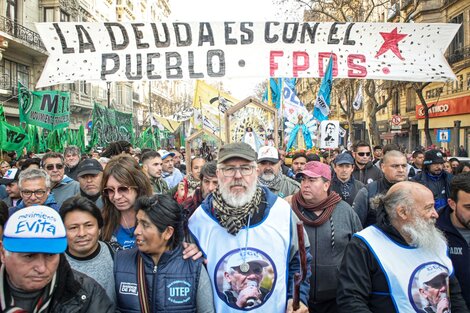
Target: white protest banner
(112, 51)
(329, 134)
(342, 132)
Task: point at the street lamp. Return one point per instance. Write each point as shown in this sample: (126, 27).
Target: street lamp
(108, 86)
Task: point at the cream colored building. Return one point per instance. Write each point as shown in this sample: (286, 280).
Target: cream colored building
(23, 57)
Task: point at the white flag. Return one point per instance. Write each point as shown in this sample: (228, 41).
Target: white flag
(358, 100)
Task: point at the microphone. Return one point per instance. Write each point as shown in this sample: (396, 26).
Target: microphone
(443, 295)
(251, 301)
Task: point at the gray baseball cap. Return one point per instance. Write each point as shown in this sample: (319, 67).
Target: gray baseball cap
(236, 150)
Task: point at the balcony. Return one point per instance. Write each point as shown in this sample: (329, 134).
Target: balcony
(459, 55)
(19, 31)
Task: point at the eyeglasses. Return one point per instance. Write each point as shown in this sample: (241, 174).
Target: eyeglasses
(50, 167)
(363, 154)
(244, 170)
(28, 193)
(122, 190)
(254, 269)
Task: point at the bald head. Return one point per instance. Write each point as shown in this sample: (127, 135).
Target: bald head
(410, 207)
(394, 166)
(402, 197)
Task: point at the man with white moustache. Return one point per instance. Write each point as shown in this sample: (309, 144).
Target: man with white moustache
(383, 265)
(270, 174)
(240, 219)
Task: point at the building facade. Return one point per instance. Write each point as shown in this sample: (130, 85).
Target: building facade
(23, 56)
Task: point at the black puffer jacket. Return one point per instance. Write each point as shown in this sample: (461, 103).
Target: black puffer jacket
(362, 286)
(76, 292)
(367, 174)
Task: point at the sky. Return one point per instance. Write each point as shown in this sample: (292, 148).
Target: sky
(225, 10)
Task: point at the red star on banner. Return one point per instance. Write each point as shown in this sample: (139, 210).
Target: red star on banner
(391, 43)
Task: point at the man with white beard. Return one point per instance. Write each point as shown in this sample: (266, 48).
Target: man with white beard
(270, 174)
(389, 267)
(243, 221)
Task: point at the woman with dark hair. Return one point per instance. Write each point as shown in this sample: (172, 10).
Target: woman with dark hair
(463, 167)
(165, 282)
(123, 182)
(116, 148)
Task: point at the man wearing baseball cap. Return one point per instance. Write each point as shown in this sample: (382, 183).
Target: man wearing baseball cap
(243, 289)
(270, 174)
(170, 173)
(330, 223)
(432, 284)
(435, 178)
(89, 175)
(10, 180)
(241, 216)
(343, 183)
(35, 275)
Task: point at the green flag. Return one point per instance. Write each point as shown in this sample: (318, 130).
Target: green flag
(12, 138)
(110, 125)
(49, 109)
(2, 114)
(34, 138)
(81, 138)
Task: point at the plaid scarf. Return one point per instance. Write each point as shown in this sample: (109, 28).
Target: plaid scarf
(7, 303)
(192, 183)
(231, 218)
(270, 183)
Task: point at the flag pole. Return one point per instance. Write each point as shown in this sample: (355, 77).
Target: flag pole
(282, 111)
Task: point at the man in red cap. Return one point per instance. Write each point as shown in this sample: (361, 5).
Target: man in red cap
(330, 223)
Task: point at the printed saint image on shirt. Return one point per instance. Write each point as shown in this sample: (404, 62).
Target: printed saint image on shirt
(245, 278)
(429, 288)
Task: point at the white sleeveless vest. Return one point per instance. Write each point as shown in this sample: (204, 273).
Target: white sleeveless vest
(268, 245)
(404, 268)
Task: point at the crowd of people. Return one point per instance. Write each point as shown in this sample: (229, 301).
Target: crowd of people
(138, 230)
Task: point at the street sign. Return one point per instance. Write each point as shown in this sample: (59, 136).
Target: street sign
(396, 120)
(443, 135)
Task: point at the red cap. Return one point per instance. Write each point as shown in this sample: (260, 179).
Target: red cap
(316, 169)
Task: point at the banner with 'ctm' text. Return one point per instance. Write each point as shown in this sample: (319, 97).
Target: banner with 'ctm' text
(202, 50)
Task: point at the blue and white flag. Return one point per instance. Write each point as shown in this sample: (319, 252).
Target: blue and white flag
(292, 104)
(322, 104)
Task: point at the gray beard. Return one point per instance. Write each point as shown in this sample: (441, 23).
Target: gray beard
(268, 176)
(237, 200)
(425, 235)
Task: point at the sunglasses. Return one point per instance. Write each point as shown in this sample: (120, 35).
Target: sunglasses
(256, 269)
(363, 154)
(58, 166)
(122, 190)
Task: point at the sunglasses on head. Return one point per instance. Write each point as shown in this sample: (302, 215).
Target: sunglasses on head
(122, 190)
(58, 166)
(363, 154)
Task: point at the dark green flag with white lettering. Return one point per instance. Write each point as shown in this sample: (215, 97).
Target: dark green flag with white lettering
(110, 125)
(49, 109)
(12, 138)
